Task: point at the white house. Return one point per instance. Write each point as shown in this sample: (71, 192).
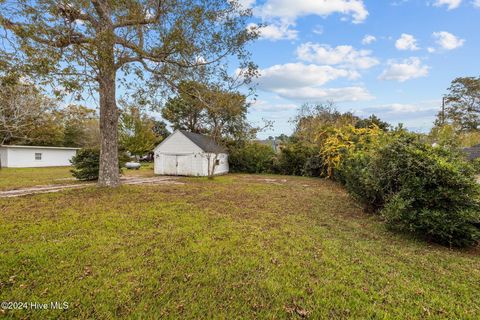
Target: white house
(32, 156)
(185, 153)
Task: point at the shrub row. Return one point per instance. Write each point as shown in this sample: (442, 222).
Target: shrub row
(251, 157)
(295, 159)
(416, 188)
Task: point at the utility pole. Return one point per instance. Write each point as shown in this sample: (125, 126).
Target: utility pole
(443, 110)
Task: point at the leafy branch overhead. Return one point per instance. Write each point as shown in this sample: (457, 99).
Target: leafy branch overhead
(77, 38)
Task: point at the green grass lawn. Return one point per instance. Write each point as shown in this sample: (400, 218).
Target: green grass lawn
(16, 178)
(233, 248)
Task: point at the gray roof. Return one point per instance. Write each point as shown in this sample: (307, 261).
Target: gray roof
(206, 143)
(36, 147)
(472, 152)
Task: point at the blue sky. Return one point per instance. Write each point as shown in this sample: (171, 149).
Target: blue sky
(394, 58)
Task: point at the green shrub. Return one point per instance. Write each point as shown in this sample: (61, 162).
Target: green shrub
(356, 174)
(476, 165)
(251, 157)
(86, 164)
(299, 159)
(417, 188)
(454, 227)
(314, 166)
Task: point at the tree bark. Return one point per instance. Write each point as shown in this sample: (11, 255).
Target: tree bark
(109, 175)
(211, 168)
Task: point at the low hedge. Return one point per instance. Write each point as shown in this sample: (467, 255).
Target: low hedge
(417, 188)
(251, 157)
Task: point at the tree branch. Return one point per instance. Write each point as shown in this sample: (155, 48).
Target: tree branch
(73, 14)
(63, 41)
(102, 12)
(142, 21)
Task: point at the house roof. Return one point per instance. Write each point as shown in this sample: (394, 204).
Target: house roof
(37, 147)
(472, 152)
(205, 143)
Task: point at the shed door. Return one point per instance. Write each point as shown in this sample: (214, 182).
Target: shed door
(170, 165)
(184, 165)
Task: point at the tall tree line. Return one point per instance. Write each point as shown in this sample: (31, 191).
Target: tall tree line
(29, 117)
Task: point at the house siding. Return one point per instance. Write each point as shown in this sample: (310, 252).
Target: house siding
(24, 157)
(221, 168)
(177, 143)
(178, 155)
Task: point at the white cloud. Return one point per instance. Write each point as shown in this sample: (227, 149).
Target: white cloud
(265, 106)
(297, 75)
(431, 50)
(327, 94)
(451, 4)
(416, 116)
(369, 39)
(246, 3)
(476, 3)
(406, 42)
(300, 81)
(276, 32)
(404, 70)
(447, 40)
(344, 56)
(404, 108)
(291, 10)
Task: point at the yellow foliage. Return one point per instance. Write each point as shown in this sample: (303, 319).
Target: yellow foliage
(342, 140)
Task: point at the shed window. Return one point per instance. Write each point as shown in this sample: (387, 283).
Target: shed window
(217, 162)
(38, 156)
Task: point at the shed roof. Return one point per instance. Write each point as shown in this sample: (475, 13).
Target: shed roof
(205, 143)
(37, 147)
(472, 152)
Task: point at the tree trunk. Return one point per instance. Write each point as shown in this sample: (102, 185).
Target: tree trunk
(211, 168)
(109, 175)
(1, 144)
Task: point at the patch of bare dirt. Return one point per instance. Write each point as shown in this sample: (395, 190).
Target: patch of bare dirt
(271, 181)
(59, 187)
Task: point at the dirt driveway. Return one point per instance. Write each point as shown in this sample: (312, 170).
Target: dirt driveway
(59, 187)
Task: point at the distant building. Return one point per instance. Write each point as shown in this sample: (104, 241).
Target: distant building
(34, 156)
(472, 152)
(186, 153)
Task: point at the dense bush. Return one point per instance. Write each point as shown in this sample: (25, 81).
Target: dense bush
(86, 164)
(476, 165)
(251, 157)
(299, 159)
(314, 166)
(417, 188)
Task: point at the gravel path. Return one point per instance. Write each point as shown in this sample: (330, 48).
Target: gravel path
(59, 187)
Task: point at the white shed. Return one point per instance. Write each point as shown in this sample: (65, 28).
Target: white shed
(33, 156)
(185, 153)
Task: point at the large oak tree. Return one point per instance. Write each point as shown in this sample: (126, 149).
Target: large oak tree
(98, 45)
